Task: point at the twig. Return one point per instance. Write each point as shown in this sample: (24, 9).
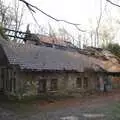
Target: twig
(34, 18)
(80, 29)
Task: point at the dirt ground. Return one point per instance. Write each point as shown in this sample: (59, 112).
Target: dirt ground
(100, 106)
(95, 100)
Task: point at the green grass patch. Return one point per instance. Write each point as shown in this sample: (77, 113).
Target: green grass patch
(115, 112)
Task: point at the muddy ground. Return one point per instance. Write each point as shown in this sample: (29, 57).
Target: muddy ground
(100, 106)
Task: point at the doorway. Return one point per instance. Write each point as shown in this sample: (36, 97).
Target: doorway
(42, 85)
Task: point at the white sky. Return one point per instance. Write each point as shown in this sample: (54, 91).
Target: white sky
(78, 11)
(83, 12)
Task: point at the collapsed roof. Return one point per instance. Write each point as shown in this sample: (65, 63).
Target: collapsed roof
(110, 62)
(39, 58)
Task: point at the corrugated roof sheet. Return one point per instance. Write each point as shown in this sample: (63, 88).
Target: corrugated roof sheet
(44, 58)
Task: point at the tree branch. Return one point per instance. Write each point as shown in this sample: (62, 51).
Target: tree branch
(113, 3)
(30, 6)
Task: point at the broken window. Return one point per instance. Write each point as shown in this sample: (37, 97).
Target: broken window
(11, 84)
(53, 84)
(79, 82)
(3, 78)
(8, 79)
(85, 82)
(12, 81)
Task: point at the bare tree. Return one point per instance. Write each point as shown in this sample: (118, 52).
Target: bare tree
(98, 25)
(6, 15)
(66, 36)
(18, 15)
(11, 16)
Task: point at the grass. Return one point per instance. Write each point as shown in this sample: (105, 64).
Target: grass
(111, 111)
(29, 103)
(115, 111)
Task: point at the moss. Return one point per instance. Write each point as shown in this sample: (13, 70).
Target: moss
(115, 86)
(2, 33)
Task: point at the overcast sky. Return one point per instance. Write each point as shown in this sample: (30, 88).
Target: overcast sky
(77, 11)
(84, 12)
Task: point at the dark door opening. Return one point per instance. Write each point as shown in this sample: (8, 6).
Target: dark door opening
(42, 86)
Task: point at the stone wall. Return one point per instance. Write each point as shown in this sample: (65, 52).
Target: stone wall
(66, 83)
